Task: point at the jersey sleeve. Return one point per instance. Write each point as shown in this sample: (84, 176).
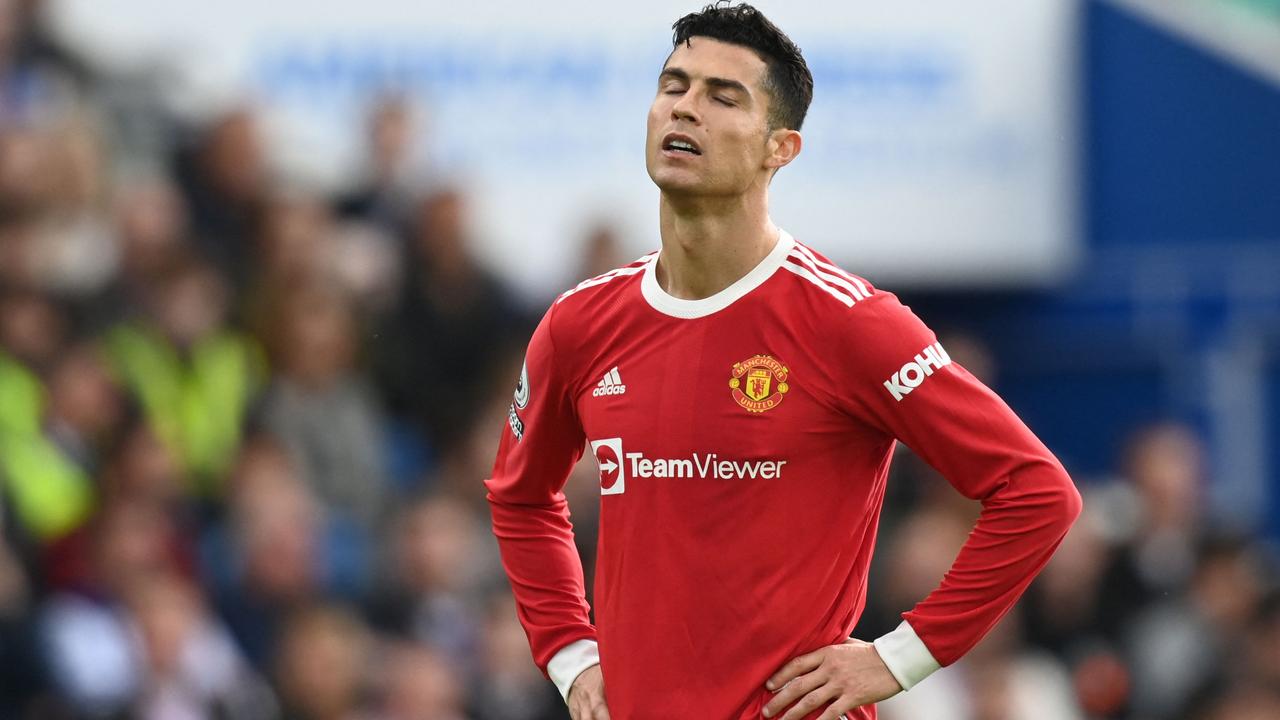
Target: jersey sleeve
(541, 443)
(906, 385)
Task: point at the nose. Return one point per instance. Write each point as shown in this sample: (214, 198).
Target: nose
(685, 107)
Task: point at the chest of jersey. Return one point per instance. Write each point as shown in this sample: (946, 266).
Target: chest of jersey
(708, 405)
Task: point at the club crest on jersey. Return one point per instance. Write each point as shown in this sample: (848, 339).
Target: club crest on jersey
(759, 383)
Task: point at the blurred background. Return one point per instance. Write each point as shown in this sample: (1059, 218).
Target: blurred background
(267, 271)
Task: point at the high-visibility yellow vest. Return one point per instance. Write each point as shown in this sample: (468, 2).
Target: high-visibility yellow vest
(50, 493)
(196, 404)
(21, 397)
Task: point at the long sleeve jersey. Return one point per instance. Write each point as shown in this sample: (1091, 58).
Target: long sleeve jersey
(743, 443)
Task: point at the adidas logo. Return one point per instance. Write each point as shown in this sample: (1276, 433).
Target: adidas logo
(610, 385)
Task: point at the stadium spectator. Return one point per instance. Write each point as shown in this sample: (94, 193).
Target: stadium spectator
(140, 466)
(189, 667)
(86, 628)
(151, 235)
(1155, 520)
(319, 405)
(193, 375)
(76, 254)
(293, 243)
(441, 567)
(1186, 644)
(422, 685)
(384, 193)
(51, 440)
(321, 669)
(224, 179)
(276, 550)
(451, 328)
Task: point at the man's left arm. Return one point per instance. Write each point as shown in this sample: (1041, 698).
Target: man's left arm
(906, 384)
(916, 392)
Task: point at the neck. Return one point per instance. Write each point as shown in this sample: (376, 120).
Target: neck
(707, 245)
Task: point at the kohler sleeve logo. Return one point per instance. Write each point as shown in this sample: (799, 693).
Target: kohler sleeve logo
(913, 373)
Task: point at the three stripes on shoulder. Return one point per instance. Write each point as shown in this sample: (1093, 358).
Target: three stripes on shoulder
(842, 286)
(631, 269)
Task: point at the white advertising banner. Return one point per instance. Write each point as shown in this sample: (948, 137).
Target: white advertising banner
(939, 149)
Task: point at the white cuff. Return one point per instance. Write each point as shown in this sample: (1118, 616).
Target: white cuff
(569, 662)
(906, 656)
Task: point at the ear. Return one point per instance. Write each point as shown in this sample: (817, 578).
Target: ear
(783, 146)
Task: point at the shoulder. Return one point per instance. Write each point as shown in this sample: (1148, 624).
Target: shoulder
(580, 305)
(585, 299)
(862, 321)
(817, 274)
(591, 287)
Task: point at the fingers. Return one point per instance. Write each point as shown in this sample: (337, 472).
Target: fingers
(795, 668)
(810, 702)
(837, 710)
(792, 691)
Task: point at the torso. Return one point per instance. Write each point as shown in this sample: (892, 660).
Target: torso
(739, 491)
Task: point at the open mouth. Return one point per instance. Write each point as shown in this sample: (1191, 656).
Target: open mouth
(679, 145)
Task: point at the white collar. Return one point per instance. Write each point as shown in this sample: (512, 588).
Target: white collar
(689, 309)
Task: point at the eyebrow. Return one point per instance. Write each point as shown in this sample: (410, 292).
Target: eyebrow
(714, 82)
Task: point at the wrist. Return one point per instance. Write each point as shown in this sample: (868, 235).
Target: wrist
(906, 656)
(569, 662)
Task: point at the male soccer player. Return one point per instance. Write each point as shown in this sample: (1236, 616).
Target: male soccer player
(742, 397)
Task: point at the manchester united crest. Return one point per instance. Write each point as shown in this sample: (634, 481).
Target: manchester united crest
(759, 383)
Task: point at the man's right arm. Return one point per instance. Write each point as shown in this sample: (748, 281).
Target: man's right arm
(539, 447)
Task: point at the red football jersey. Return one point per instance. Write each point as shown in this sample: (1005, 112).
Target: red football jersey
(743, 442)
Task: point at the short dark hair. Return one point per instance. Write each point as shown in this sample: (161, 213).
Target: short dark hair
(787, 77)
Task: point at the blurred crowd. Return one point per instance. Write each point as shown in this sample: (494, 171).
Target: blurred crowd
(244, 425)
